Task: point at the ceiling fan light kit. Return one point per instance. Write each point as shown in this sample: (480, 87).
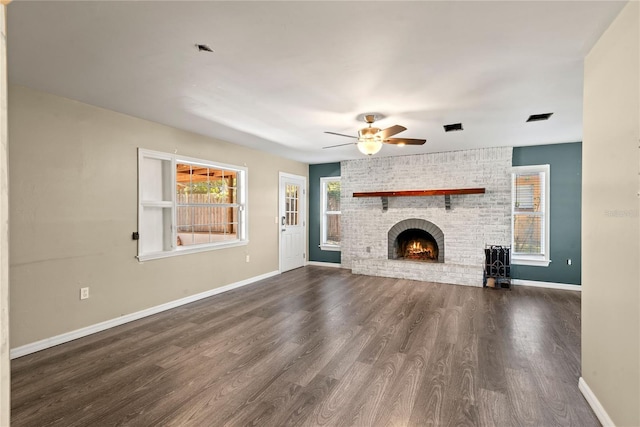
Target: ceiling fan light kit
(369, 146)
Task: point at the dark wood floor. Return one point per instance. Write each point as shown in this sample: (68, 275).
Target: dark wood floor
(320, 346)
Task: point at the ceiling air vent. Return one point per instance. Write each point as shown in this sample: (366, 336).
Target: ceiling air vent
(203, 48)
(539, 117)
(453, 127)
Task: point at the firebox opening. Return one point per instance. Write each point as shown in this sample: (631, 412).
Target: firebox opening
(417, 245)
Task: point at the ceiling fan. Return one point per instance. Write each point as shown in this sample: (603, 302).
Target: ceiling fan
(370, 139)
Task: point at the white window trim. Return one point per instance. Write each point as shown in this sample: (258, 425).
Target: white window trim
(323, 214)
(175, 250)
(335, 248)
(532, 260)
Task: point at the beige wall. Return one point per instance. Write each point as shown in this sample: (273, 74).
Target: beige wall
(5, 385)
(73, 207)
(610, 222)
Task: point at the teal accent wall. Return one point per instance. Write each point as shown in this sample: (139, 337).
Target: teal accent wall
(565, 215)
(315, 173)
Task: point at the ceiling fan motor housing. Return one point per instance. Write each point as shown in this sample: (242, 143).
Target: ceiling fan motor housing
(368, 132)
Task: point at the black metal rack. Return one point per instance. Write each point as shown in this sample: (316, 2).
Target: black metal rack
(497, 267)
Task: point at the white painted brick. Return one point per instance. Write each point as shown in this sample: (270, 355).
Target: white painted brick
(473, 221)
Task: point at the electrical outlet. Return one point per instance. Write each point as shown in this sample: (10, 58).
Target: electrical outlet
(247, 259)
(84, 293)
(569, 261)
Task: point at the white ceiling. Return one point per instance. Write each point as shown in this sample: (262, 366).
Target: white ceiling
(284, 72)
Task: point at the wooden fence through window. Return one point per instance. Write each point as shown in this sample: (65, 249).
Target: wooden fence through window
(207, 218)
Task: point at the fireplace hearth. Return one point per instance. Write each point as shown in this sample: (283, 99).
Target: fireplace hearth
(416, 240)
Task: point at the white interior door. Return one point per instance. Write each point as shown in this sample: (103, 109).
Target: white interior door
(293, 228)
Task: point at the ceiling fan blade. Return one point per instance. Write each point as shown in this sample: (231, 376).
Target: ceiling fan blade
(341, 134)
(386, 133)
(340, 145)
(404, 141)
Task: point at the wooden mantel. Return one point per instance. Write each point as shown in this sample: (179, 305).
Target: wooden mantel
(412, 193)
(420, 192)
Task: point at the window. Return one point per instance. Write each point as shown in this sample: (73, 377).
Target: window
(188, 205)
(330, 214)
(530, 215)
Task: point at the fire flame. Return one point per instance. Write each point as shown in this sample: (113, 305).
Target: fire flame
(417, 250)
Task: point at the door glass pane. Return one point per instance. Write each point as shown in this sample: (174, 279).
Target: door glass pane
(292, 204)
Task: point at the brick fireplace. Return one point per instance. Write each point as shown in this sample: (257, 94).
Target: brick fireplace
(460, 232)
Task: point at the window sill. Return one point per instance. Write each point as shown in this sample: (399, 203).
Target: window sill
(536, 262)
(333, 248)
(190, 250)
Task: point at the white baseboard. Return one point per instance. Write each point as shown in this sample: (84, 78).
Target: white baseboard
(595, 404)
(550, 285)
(324, 264)
(83, 332)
